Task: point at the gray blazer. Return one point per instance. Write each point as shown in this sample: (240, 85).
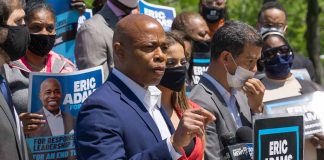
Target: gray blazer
(93, 46)
(10, 145)
(207, 96)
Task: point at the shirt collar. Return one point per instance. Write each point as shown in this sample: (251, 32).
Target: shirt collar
(225, 94)
(149, 97)
(48, 113)
(117, 11)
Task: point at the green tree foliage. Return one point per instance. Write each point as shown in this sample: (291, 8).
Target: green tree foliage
(247, 11)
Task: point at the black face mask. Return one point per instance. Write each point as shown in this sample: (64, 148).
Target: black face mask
(41, 44)
(16, 42)
(201, 46)
(211, 14)
(174, 78)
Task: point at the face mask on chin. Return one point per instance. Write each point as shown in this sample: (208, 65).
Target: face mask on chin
(240, 76)
(211, 14)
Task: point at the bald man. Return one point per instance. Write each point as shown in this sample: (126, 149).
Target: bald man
(123, 119)
(57, 122)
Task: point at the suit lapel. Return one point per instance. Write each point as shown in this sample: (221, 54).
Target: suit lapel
(220, 104)
(10, 117)
(243, 108)
(110, 18)
(167, 120)
(131, 99)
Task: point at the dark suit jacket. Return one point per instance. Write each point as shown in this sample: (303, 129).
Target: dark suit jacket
(10, 145)
(68, 122)
(207, 96)
(114, 124)
(93, 45)
(300, 62)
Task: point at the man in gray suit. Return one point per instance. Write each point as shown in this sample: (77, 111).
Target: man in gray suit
(94, 39)
(228, 89)
(14, 38)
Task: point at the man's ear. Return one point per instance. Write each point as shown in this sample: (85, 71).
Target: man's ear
(258, 26)
(225, 57)
(119, 51)
(3, 34)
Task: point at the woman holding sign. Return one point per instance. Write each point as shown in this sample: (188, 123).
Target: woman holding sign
(173, 97)
(40, 19)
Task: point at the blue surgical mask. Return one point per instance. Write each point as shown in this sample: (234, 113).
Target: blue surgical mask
(279, 66)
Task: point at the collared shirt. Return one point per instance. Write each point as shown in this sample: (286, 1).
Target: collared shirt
(229, 99)
(117, 11)
(151, 98)
(55, 122)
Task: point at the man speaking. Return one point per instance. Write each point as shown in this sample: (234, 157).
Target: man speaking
(124, 119)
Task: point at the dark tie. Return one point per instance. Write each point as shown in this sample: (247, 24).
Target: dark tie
(7, 95)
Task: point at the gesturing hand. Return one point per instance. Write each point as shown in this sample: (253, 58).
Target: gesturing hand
(191, 124)
(79, 5)
(31, 121)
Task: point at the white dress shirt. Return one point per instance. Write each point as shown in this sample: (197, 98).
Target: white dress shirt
(151, 98)
(55, 122)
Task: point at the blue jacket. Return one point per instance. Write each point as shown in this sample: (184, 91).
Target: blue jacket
(114, 124)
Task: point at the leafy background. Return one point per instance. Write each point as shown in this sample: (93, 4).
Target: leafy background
(247, 11)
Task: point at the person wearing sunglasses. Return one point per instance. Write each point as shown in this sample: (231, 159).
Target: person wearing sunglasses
(277, 57)
(273, 17)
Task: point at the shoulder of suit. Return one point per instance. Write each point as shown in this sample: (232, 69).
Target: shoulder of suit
(97, 21)
(200, 89)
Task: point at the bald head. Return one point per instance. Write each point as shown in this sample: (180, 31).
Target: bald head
(139, 42)
(132, 26)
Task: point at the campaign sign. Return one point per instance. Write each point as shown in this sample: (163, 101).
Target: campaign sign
(199, 67)
(279, 138)
(59, 6)
(198, 64)
(58, 97)
(310, 105)
(163, 14)
(67, 23)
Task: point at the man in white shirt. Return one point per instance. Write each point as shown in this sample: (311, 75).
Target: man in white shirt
(57, 122)
(123, 119)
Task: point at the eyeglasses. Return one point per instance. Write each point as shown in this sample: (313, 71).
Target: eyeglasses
(270, 53)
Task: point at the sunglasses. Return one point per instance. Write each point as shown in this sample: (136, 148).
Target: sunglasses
(283, 50)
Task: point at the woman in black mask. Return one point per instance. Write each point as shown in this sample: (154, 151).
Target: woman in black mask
(40, 20)
(174, 99)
